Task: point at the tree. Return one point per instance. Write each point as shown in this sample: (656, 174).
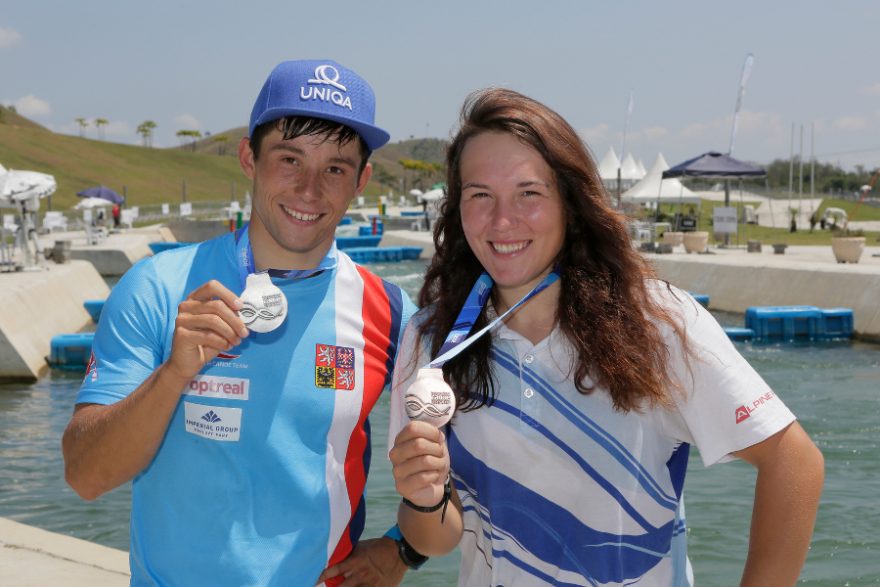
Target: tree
(145, 129)
(83, 123)
(100, 123)
(189, 135)
(221, 141)
(426, 173)
(828, 177)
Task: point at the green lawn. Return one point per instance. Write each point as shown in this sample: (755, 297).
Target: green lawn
(769, 235)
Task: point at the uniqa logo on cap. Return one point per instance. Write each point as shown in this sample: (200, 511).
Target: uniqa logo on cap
(326, 75)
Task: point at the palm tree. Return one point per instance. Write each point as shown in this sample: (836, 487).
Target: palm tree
(145, 129)
(189, 135)
(100, 123)
(83, 123)
(221, 141)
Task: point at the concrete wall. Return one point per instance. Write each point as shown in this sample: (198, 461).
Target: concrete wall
(409, 238)
(196, 231)
(39, 305)
(734, 287)
(114, 255)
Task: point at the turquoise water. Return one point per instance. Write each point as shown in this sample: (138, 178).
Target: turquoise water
(833, 388)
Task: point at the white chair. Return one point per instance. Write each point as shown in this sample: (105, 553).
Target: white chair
(9, 223)
(127, 217)
(53, 220)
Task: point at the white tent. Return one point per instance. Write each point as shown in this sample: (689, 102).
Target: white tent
(629, 171)
(608, 166)
(642, 171)
(651, 188)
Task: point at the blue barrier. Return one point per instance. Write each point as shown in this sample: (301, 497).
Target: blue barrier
(94, 307)
(702, 299)
(739, 334)
(790, 323)
(368, 230)
(837, 323)
(345, 220)
(158, 247)
(383, 254)
(349, 242)
(71, 351)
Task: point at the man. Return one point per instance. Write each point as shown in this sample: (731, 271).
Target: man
(249, 451)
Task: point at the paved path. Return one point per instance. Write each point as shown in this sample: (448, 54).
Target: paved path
(30, 557)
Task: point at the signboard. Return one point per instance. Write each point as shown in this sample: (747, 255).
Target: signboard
(186, 208)
(687, 223)
(724, 220)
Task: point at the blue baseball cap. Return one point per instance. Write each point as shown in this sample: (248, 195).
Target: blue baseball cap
(319, 89)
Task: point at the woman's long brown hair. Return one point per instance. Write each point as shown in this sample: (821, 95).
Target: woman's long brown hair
(604, 309)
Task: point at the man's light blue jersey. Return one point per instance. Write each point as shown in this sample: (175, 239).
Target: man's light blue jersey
(260, 477)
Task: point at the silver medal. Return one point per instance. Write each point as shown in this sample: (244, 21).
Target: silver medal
(265, 306)
(430, 399)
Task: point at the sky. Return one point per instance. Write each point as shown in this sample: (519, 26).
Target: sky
(199, 65)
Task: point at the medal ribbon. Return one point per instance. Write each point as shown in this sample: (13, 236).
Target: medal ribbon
(472, 307)
(244, 255)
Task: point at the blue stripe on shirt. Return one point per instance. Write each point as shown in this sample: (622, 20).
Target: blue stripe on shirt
(588, 427)
(551, 533)
(584, 465)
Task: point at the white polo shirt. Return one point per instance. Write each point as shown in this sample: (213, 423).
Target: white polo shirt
(559, 488)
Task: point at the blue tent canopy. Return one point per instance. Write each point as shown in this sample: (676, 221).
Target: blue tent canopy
(714, 165)
(101, 192)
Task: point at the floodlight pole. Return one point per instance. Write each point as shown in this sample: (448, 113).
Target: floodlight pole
(618, 186)
(743, 79)
(629, 109)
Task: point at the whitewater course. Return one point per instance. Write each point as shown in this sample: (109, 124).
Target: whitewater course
(40, 304)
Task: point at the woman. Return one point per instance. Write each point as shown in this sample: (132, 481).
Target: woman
(569, 448)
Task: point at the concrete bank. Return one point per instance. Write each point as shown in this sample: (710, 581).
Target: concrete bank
(735, 280)
(30, 557)
(37, 305)
(113, 255)
(409, 238)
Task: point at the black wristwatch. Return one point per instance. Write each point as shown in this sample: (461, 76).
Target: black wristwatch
(410, 557)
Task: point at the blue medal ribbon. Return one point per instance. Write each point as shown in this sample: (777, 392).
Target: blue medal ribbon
(473, 305)
(244, 256)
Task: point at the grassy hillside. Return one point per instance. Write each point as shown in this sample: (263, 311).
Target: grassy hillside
(150, 176)
(386, 160)
(9, 116)
(153, 176)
